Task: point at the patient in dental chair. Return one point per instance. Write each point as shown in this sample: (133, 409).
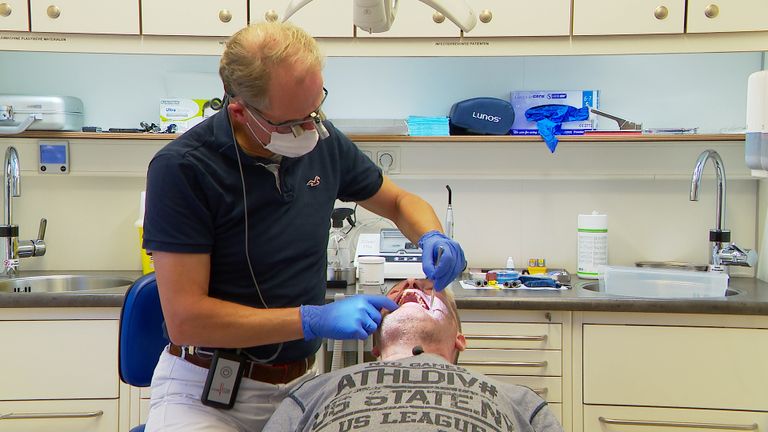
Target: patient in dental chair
(416, 385)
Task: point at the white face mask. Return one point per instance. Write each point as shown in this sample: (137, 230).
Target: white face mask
(287, 144)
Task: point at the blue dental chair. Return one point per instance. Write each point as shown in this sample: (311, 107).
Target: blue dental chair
(142, 338)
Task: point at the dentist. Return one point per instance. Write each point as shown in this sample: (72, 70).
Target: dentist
(237, 218)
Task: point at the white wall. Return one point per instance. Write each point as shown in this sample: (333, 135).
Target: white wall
(498, 213)
(689, 90)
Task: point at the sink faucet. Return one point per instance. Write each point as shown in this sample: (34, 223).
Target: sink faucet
(12, 248)
(720, 255)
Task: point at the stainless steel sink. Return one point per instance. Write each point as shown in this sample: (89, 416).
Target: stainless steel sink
(595, 287)
(62, 283)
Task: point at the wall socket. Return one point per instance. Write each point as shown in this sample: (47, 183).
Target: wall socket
(388, 159)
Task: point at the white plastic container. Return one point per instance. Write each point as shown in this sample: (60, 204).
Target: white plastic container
(371, 269)
(662, 283)
(592, 244)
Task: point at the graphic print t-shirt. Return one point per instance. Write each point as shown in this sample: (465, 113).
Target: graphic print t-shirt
(421, 393)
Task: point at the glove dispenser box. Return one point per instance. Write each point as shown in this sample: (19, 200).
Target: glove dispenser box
(756, 142)
(52, 113)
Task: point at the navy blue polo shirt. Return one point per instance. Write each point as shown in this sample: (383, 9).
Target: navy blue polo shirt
(194, 204)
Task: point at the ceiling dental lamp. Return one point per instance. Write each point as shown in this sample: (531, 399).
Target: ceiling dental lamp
(377, 16)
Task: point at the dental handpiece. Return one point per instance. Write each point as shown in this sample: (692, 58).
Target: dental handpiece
(437, 262)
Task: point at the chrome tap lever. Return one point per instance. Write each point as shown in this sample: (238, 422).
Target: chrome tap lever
(736, 256)
(30, 248)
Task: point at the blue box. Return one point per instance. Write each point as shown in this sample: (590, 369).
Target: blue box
(523, 100)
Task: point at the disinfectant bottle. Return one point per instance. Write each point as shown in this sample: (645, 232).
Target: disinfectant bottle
(592, 244)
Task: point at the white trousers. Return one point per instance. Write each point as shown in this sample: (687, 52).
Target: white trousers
(175, 405)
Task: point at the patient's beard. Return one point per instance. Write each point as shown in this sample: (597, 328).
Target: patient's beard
(401, 332)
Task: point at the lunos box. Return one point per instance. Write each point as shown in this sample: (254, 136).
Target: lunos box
(524, 100)
(184, 113)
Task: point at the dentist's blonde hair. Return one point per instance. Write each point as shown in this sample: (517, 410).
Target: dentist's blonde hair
(253, 52)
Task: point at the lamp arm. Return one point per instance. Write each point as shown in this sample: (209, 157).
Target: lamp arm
(294, 7)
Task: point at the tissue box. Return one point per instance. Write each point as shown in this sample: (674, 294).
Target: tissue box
(523, 100)
(184, 113)
(661, 283)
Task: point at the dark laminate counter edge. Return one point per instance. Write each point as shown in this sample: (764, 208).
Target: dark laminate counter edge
(752, 300)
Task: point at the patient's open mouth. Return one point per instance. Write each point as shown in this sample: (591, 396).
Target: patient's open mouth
(413, 296)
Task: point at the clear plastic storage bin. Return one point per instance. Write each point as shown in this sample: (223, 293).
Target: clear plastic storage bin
(661, 283)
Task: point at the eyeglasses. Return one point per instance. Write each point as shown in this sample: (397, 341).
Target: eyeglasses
(296, 127)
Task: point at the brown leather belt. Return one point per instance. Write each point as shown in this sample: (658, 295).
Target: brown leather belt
(268, 373)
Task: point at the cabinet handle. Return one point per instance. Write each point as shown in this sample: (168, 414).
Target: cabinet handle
(225, 15)
(719, 426)
(25, 416)
(485, 16)
(711, 11)
(53, 11)
(270, 15)
(661, 12)
(5, 9)
(540, 391)
(508, 338)
(501, 363)
(438, 18)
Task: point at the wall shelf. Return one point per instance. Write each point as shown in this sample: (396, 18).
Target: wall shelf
(399, 138)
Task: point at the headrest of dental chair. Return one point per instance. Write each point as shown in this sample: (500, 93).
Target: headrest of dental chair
(481, 116)
(142, 338)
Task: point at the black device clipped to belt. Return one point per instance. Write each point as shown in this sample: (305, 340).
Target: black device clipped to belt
(223, 380)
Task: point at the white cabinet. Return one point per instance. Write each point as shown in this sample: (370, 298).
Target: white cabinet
(59, 416)
(631, 419)
(662, 372)
(320, 18)
(193, 17)
(85, 16)
(610, 17)
(14, 15)
(525, 348)
(59, 371)
(521, 18)
(416, 19)
(58, 359)
(705, 16)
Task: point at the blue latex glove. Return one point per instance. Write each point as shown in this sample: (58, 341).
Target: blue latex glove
(548, 119)
(451, 262)
(355, 317)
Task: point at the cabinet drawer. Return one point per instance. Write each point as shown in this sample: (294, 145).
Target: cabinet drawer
(690, 367)
(631, 419)
(14, 15)
(557, 410)
(200, 18)
(549, 388)
(59, 359)
(59, 416)
(513, 362)
(605, 17)
(707, 16)
(512, 335)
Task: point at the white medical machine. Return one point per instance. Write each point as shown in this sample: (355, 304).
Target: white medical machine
(402, 258)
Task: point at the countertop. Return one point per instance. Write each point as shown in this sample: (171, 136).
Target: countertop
(751, 300)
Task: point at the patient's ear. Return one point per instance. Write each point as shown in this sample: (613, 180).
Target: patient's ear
(461, 342)
(376, 352)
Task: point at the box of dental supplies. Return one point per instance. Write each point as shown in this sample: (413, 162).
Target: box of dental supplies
(544, 104)
(184, 113)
